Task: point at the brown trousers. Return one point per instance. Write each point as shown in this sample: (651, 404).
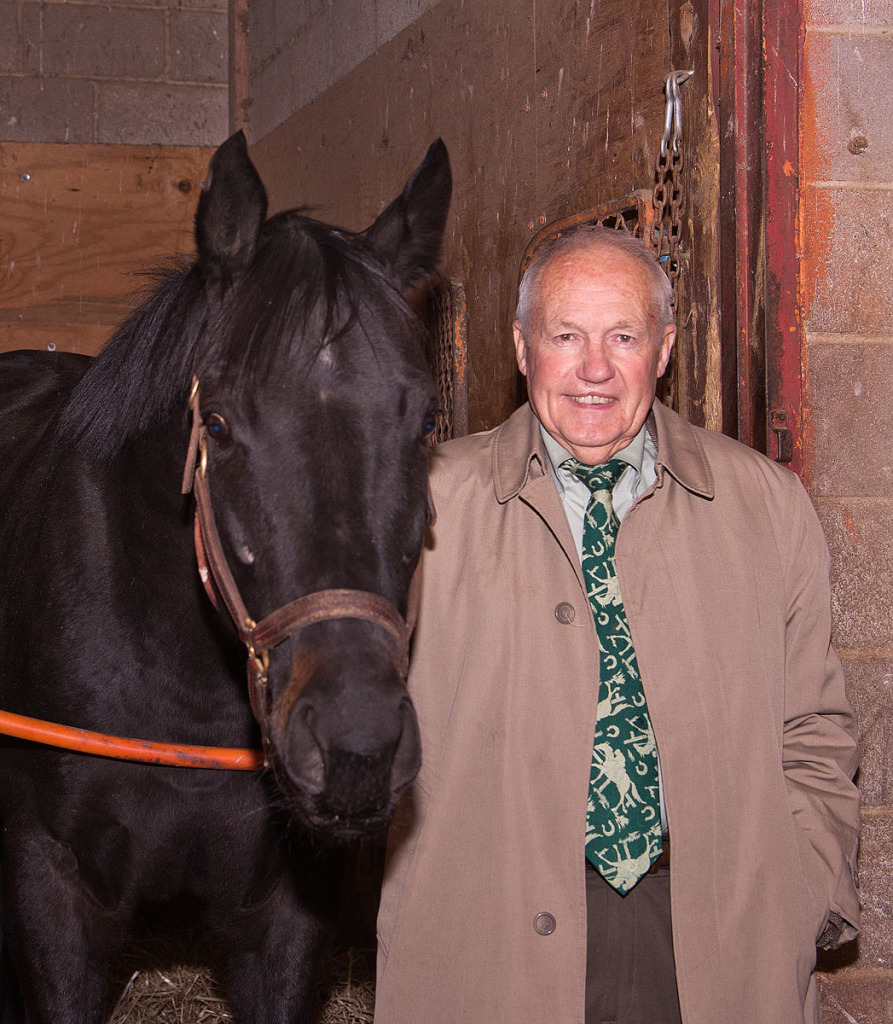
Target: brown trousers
(630, 972)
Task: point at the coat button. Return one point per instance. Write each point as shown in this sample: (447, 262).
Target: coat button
(565, 613)
(544, 924)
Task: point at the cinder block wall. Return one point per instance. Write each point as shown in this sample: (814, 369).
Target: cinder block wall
(847, 244)
(299, 48)
(129, 72)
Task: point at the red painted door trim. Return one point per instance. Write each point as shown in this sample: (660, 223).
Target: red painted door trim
(760, 44)
(783, 49)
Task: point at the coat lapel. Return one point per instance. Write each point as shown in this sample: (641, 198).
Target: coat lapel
(521, 470)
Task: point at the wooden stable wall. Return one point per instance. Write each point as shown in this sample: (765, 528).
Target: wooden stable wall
(547, 108)
(80, 223)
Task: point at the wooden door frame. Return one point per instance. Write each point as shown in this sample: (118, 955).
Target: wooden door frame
(756, 83)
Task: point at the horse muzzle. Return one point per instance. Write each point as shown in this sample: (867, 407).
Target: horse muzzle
(343, 740)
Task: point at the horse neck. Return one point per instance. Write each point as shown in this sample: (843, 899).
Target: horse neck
(112, 545)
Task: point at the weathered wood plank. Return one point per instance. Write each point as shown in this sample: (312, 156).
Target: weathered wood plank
(79, 225)
(75, 337)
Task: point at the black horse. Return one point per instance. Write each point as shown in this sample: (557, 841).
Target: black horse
(310, 409)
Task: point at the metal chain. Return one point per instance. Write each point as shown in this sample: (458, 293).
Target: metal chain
(443, 361)
(666, 229)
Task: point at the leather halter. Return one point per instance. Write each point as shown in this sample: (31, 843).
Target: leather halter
(259, 638)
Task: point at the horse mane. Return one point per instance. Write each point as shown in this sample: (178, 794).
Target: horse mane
(302, 292)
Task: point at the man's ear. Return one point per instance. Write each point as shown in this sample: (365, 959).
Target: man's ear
(520, 347)
(666, 348)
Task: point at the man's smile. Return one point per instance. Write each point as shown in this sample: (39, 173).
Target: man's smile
(591, 399)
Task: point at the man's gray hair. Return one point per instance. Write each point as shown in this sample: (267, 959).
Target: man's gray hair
(593, 237)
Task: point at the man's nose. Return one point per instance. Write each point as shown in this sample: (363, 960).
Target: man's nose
(595, 363)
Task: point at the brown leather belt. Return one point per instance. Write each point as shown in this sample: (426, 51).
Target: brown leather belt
(663, 861)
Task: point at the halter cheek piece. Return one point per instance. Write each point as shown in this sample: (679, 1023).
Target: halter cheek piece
(260, 637)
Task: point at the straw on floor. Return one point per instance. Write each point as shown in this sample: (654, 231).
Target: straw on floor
(190, 995)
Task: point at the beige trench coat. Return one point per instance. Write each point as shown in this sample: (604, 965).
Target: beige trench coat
(724, 575)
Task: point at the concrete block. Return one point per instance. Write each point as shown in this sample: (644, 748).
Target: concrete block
(167, 115)
(9, 38)
(863, 997)
(846, 259)
(45, 110)
(299, 51)
(271, 98)
(69, 39)
(870, 689)
(848, 107)
(392, 16)
(858, 533)
(353, 30)
(198, 47)
(309, 61)
(876, 891)
(850, 413)
(272, 25)
(859, 14)
(299, 73)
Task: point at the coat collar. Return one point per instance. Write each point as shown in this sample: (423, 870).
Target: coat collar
(681, 452)
(519, 455)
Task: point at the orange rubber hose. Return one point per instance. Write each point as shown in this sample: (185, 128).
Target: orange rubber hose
(126, 749)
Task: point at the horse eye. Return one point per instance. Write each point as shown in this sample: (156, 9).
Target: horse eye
(217, 427)
(429, 425)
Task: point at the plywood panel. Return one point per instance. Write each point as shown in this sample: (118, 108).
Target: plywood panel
(79, 225)
(546, 108)
(66, 337)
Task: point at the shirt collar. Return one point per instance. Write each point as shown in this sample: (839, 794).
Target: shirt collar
(633, 454)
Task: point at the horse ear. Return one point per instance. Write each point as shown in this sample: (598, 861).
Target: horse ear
(408, 235)
(231, 211)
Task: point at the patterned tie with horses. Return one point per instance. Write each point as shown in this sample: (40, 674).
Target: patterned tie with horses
(623, 824)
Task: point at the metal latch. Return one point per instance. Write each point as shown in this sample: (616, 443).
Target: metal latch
(784, 438)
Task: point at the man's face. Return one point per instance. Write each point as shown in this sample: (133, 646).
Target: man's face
(595, 352)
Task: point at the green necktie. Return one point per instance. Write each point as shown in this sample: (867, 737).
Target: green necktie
(623, 826)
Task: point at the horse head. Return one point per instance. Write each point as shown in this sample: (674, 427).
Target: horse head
(310, 428)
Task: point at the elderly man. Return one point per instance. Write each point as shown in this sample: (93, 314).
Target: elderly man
(635, 803)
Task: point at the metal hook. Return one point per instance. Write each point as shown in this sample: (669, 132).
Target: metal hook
(668, 121)
(673, 112)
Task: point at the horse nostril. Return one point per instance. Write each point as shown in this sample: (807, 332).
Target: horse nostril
(306, 765)
(408, 755)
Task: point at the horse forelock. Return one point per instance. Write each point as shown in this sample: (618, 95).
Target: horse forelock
(306, 289)
(313, 293)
